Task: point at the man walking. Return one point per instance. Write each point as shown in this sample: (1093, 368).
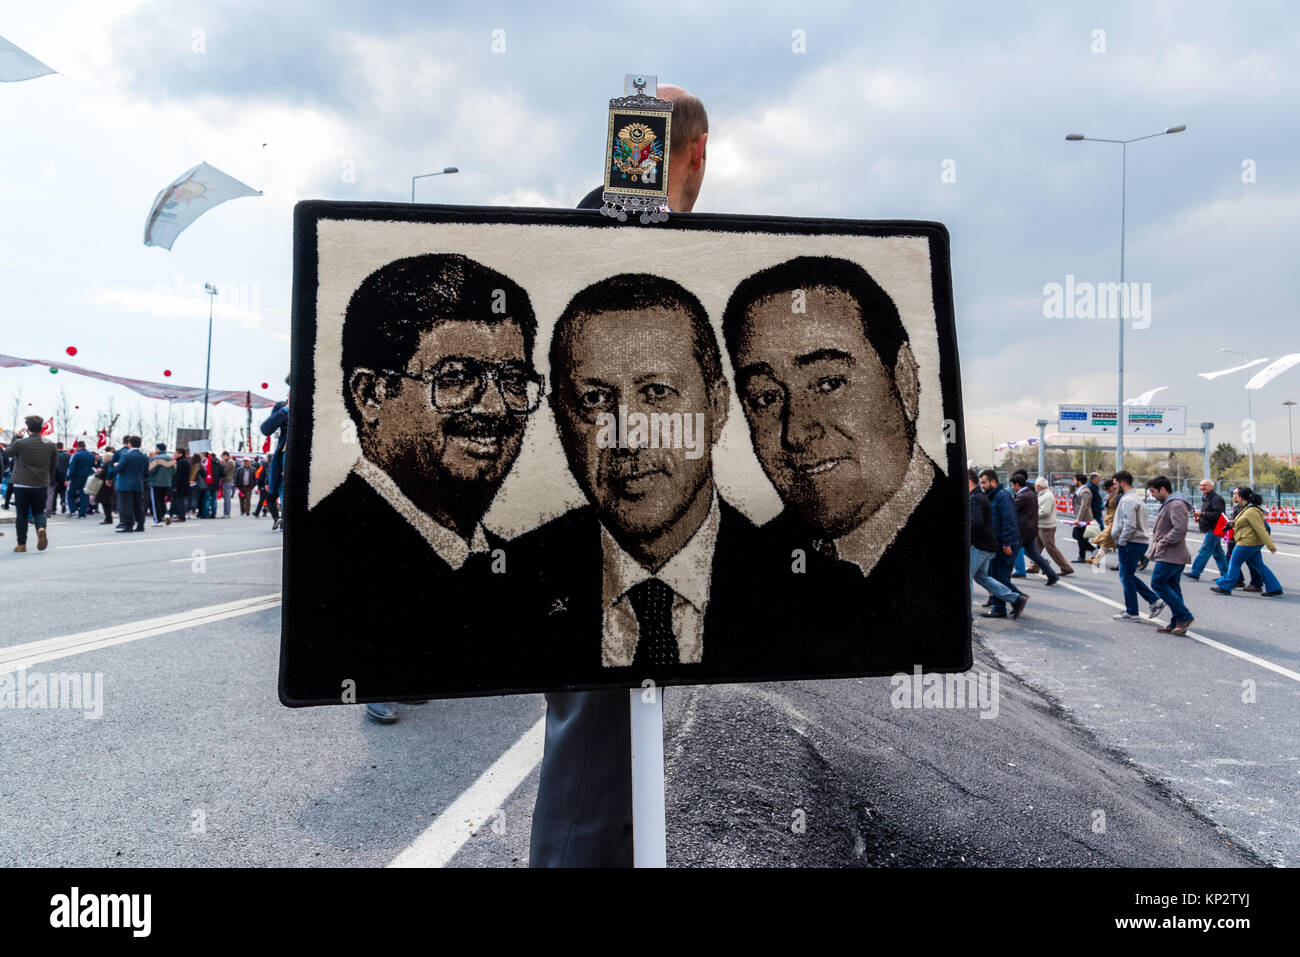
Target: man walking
(1207, 520)
(1170, 554)
(984, 546)
(1006, 533)
(1132, 539)
(1026, 502)
(34, 461)
(1047, 526)
(1082, 515)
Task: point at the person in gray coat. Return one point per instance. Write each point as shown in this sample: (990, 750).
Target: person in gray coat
(1169, 552)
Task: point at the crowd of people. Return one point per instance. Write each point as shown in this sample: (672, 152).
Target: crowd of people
(1008, 526)
(40, 476)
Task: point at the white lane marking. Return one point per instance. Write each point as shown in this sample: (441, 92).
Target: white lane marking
(1287, 554)
(16, 657)
(250, 551)
(454, 826)
(1244, 655)
(151, 540)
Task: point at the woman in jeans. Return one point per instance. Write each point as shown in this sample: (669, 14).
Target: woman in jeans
(1251, 537)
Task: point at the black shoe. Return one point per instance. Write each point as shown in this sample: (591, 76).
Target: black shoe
(988, 604)
(1053, 580)
(994, 613)
(1019, 606)
(120, 530)
(1190, 577)
(1219, 591)
(1273, 594)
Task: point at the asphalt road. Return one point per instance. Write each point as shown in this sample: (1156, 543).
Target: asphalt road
(1111, 745)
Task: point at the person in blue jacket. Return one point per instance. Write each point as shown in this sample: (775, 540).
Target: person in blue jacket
(128, 485)
(1007, 533)
(80, 467)
(278, 420)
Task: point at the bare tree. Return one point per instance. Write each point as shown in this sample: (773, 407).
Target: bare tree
(63, 416)
(14, 408)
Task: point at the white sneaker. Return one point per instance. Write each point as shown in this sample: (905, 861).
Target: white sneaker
(1125, 616)
(1156, 608)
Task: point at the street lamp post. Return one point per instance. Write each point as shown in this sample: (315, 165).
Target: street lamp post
(441, 172)
(1290, 447)
(1123, 202)
(211, 290)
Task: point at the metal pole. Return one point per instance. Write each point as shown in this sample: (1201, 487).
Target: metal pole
(1290, 447)
(207, 375)
(1119, 399)
(1250, 421)
(248, 397)
(1205, 449)
(649, 845)
(1042, 430)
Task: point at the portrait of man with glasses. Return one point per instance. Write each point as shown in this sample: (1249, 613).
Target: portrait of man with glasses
(438, 382)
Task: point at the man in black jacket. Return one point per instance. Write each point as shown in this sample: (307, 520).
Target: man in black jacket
(1207, 517)
(1026, 502)
(34, 461)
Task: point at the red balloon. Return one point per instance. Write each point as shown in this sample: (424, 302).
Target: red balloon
(167, 371)
(265, 386)
(71, 350)
(76, 407)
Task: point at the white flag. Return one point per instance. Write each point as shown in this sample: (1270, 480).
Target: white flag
(1215, 375)
(16, 64)
(1272, 371)
(1146, 397)
(188, 198)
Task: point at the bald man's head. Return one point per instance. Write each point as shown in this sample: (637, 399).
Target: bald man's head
(687, 147)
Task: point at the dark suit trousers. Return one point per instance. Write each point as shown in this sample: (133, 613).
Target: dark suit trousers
(130, 508)
(583, 816)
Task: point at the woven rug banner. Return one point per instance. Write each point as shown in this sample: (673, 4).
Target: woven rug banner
(535, 450)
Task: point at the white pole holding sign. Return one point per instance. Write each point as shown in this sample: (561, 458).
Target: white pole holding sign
(649, 841)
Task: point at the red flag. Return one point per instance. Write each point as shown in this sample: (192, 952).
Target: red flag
(101, 439)
(48, 427)
(1221, 525)
(266, 446)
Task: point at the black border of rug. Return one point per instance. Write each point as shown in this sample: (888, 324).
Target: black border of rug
(308, 213)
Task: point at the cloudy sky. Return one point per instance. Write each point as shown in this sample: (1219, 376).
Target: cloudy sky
(341, 100)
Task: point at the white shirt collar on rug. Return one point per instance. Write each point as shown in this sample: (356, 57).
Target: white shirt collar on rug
(865, 544)
(450, 547)
(687, 573)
